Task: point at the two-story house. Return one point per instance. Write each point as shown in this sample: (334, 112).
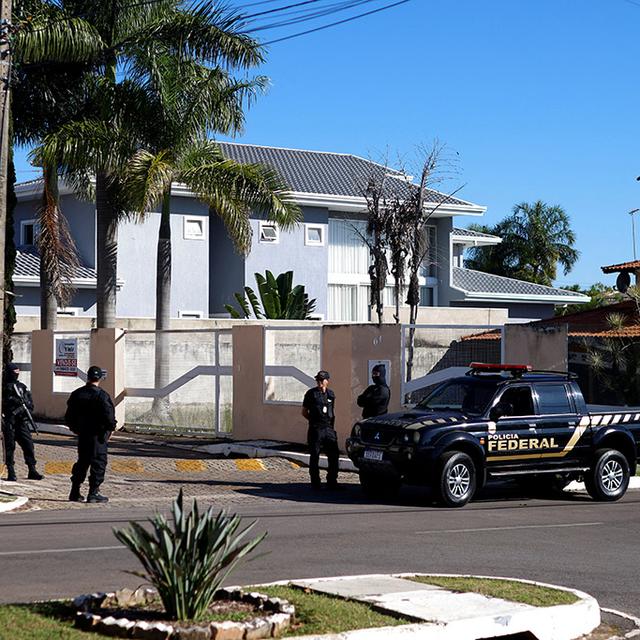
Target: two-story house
(325, 251)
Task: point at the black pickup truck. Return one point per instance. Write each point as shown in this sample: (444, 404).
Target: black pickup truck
(498, 421)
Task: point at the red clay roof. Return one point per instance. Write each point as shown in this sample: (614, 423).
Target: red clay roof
(623, 266)
(591, 323)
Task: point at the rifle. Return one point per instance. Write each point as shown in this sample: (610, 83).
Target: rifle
(23, 407)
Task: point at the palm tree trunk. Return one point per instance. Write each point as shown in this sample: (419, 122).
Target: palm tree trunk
(107, 258)
(48, 300)
(160, 406)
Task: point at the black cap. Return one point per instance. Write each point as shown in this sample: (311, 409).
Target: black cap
(378, 370)
(12, 366)
(94, 373)
(322, 375)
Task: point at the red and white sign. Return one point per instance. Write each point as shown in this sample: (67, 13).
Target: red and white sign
(66, 363)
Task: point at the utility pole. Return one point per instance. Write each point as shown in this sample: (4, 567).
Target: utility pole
(5, 106)
(633, 230)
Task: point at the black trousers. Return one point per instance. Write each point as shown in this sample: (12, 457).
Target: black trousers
(323, 439)
(17, 431)
(92, 454)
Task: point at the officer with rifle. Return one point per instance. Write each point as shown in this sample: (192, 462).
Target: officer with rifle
(17, 423)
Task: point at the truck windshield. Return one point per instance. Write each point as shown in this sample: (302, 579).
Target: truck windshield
(471, 397)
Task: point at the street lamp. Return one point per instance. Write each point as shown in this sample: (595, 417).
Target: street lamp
(633, 230)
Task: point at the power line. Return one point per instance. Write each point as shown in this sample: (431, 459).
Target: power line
(333, 24)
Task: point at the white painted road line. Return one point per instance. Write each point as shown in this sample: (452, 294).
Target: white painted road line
(523, 526)
(32, 552)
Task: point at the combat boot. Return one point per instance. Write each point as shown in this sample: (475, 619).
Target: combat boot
(96, 498)
(33, 474)
(75, 495)
(11, 474)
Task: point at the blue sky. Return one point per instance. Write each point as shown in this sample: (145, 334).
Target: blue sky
(536, 99)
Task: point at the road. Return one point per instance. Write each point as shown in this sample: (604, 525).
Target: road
(571, 541)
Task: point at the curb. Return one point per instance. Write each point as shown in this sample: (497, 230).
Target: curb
(558, 622)
(636, 621)
(18, 501)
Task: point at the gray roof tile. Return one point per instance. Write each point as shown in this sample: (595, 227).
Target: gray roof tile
(469, 233)
(28, 265)
(478, 282)
(322, 172)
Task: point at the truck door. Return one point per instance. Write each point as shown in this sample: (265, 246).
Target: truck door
(515, 432)
(562, 437)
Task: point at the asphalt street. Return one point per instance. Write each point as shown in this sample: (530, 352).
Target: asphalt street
(571, 541)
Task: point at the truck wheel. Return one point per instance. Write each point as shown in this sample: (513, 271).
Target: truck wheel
(608, 478)
(456, 483)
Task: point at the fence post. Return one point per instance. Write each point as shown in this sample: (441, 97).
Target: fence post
(107, 352)
(41, 372)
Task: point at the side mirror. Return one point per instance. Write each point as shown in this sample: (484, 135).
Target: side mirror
(500, 410)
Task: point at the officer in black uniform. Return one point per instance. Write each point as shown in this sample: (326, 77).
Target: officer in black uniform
(318, 407)
(374, 400)
(91, 416)
(16, 401)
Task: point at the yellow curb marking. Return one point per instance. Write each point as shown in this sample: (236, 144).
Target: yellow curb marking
(2, 468)
(191, 465)
(55, 468)
(294, 465)
(250, 465)
(127, 466)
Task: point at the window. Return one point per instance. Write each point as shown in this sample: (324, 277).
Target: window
(553, 398)
(520, 399)
(314, 235)
(190, 314)
(269, 232)
(193, 227)
(67, 311)
(427, 298)
(29, 230)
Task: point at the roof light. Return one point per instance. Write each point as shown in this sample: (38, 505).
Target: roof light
(512, 368)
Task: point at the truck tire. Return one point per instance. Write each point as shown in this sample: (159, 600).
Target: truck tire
(456, 481)
(608, 478)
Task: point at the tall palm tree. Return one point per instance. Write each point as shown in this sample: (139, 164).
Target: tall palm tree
(47, 90)
(535, 239)
(115, 126)
(195, 100)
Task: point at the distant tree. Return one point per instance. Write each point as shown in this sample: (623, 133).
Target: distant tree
(601, 295)
(535, 239)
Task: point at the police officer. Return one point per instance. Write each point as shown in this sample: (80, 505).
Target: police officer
(91, 416)
(374, 400)
(16, 421)
(318, 407)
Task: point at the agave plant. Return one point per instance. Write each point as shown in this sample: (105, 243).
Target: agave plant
(187, 562)
(279, 299)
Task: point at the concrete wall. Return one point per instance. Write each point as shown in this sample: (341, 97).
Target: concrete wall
(346, 350)
(448, 315)
(544, 348)
(28, 302)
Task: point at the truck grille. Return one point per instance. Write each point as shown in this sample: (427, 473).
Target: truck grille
(372, 434)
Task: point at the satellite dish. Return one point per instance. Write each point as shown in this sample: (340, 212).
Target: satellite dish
(623, 281)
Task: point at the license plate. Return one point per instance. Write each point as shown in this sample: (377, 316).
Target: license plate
(372, 454)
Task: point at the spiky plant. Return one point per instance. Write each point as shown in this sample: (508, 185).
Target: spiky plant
(187, 560)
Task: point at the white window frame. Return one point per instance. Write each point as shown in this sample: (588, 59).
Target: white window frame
(313, 243)
(271, 225)
(36, 229)
(187, 235)
(191, 315)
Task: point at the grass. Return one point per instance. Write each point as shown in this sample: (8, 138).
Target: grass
(318, 614)
(511, 590)
(41, 621)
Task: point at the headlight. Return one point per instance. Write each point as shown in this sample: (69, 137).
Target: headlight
(416, 437)
(356, 431)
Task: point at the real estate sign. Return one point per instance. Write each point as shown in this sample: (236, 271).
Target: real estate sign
(66, 363)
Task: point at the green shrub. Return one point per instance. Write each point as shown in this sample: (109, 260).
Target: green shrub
(187, 563)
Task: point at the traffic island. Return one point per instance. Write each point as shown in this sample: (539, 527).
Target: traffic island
(10, 501)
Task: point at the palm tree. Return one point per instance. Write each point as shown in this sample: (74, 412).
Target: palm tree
(535, 239)
(47, 90)
(194, 99)
(117, 124)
